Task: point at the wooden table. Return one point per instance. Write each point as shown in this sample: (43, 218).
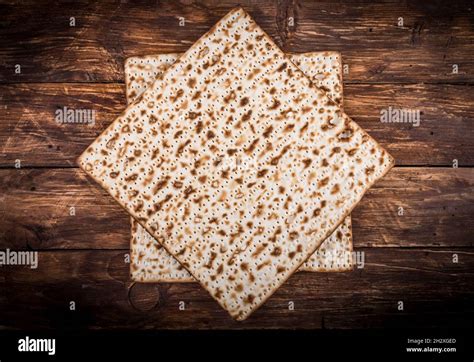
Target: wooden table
(411, 226)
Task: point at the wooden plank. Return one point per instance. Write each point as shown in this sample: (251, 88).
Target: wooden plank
(435, 293)
(437, 207)
(29, 130)
(431, 40)
(433, 36)
(31, 133)
(445, 131)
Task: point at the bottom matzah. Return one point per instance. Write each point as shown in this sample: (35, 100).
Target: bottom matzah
(150, 262)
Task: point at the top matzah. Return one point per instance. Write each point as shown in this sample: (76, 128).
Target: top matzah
(150, 262)
(167, 160)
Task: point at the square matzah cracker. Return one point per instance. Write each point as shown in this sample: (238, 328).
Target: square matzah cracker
(241, 228)
(150, 262)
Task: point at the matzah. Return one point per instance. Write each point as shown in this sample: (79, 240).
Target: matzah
(150, 262)
(240, 228)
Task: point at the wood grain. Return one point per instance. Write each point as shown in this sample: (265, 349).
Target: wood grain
(433, 36)
(435, 291)
(29, 131)
(437, 204)
(408, 257)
